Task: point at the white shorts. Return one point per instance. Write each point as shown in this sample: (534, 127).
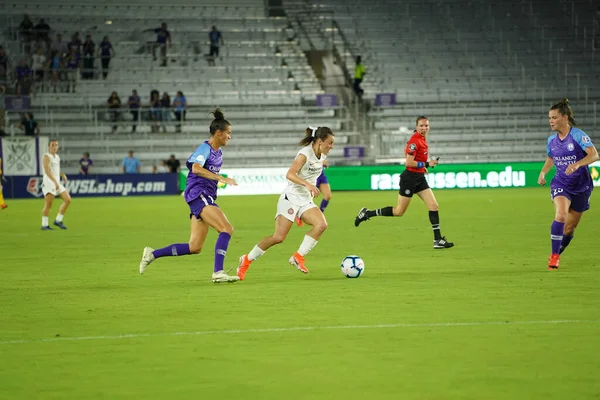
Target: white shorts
(291, 210)
(49, 188)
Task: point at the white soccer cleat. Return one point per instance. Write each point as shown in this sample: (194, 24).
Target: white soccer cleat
(221, 277)
(147, 258)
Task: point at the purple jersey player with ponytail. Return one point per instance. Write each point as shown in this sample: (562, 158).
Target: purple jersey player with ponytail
(200, 195)
(571, 151)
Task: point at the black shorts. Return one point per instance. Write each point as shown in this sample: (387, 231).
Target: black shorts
(411, 183)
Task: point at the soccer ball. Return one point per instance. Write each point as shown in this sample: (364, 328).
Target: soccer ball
(353, 266)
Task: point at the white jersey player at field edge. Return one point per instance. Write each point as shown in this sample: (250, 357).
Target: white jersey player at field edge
(297, 200)
(51, 187)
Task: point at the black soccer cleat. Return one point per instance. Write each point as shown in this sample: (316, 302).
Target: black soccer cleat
(361, 216)
(442, 243)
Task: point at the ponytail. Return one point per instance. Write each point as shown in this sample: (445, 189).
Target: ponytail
(564, 108)
(219, 123)
(312, 133)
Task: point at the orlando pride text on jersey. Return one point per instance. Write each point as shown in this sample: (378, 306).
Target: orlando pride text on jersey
(417, 147)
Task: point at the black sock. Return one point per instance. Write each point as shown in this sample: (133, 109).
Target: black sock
(434, 218)
(381, 212)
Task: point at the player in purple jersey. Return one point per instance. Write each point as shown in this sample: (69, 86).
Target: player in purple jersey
(571, 151)
(200, 195)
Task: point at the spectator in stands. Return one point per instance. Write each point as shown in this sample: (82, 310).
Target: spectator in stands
(155, 110)
(26, 32)
(85, 164)
(3, 65)
(2, 111)
(134, 108)
(60, 46)
(106, 51)
(163, 41)
(75, 43)
(216, 40)
(179, 106)
(165, 103)
(89, 50)
(29, 125)
(359, 73)
(55, 66)
(73, 63)
(114, 105)
(161, 169)
(22, 72)
(173, 164)
(42, 33)
(131, 165)
(39, 65)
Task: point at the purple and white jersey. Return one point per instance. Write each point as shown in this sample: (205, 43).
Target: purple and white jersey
(211, 160)
(568, 151)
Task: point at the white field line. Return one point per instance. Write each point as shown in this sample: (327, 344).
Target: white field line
(296, 329)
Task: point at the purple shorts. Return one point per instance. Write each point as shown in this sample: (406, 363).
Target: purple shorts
(198, 204)
(580, 202)
(322, 179)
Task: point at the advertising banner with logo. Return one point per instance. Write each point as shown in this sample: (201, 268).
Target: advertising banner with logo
(97, 185)
(250, 181)
(449, 176)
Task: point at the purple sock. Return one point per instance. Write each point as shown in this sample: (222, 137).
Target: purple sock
(556, 234)
(178, 249)
(565, 242)
(221, 250)
(324, 204)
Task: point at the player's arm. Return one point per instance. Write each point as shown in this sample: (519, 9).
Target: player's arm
(199, 170)
(46, 163)
(548, 164)
(64, 177)
(592, 155)
(292, 175)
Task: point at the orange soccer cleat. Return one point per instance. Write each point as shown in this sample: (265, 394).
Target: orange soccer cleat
(298, 261)
(299, 221)
(243, 267)
(553, 261)
(3, 206)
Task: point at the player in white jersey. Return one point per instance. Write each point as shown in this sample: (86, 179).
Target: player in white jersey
(297, 200)
(51, 186)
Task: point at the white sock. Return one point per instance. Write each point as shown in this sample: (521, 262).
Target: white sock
(307, 245)
(59, 217)
(44, 221)
(255, 253)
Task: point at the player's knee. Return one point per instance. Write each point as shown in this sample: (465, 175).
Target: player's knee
(67, 201)
(560, 216)
(321, 226)
(433, 207)
(226, 228)
(195, 248)
(278, 238)
(398, 211)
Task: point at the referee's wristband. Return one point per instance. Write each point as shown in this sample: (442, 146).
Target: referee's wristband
(421, 164)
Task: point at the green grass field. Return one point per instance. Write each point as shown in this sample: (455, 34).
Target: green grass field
(483, 320)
